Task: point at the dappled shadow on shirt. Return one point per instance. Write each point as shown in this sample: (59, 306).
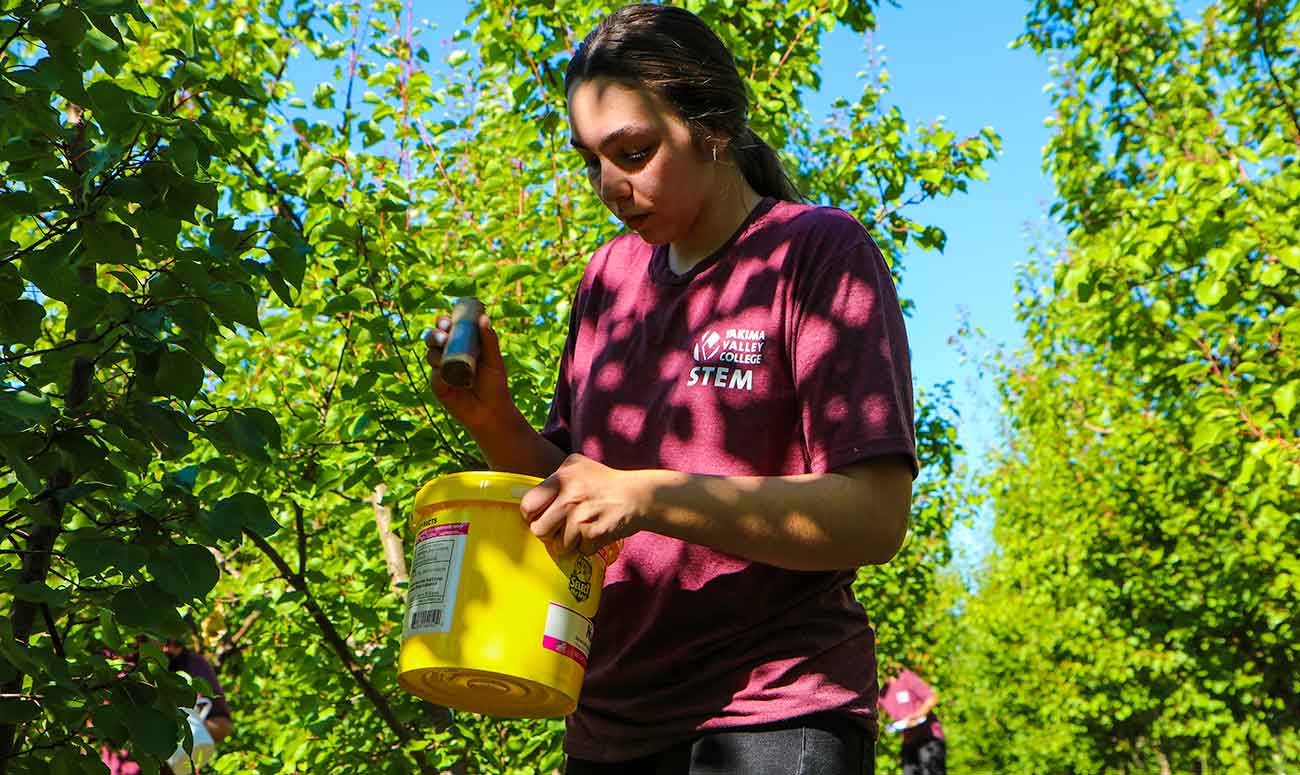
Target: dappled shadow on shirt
(783, 354)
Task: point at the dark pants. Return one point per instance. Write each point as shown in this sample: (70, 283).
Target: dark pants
(926, 757)
(823, 744)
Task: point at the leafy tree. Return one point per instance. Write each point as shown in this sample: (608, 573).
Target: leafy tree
(122, 272)
(1139, 614)
(215, 408)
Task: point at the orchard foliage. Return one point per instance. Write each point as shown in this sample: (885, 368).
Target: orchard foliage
(214, 409)
(1140, 613)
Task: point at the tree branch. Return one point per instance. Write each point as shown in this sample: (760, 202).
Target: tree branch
(300, 526)
(394, 551)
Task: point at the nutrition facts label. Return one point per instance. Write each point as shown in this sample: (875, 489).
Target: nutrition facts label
(435, 574)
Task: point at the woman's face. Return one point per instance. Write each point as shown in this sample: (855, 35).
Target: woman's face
(641, 159)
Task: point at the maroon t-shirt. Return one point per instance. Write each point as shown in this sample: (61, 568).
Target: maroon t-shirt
(783, 353)
(902, 697)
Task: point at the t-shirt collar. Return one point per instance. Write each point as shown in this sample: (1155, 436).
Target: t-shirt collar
(662, 274)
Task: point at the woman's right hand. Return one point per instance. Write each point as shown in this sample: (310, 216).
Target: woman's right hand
(487, 400)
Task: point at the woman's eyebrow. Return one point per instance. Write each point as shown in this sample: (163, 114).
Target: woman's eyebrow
(612, 137)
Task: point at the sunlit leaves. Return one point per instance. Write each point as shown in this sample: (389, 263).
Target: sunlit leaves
(1151, 458)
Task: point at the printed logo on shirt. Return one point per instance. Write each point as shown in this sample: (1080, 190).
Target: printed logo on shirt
(708, 347)
(723, 358)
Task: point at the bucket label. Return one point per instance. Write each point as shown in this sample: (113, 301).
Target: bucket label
(580, 579)
(567, 632)
(435, 575)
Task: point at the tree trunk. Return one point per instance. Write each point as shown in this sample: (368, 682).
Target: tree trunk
(40, 542)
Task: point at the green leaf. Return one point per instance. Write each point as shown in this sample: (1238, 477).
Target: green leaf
(20, 321)
(203, 355)
(147, 607)
(34, 592)
(1290, 257)
(93, 553)
(1284, 398)
(187, 571)
(233, 302)
(42, 76)
(179, 374)
(315, 179)
(242, 511)
(237, 433)
(168, 430)
(518, 271)
(1207, 434)
(71, 760)
(291, 263)
(15, 710)
(21, 411)
(291, 258)
(16, 459)
(359, 426)
(460, 286)
(281, 288)
(1210, 290)
(323, 96)
(361, 387)
(12, 285)
(152, 732)
(1272, 275)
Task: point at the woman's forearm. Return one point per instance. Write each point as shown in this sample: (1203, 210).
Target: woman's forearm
(513, 445)
(856, 516)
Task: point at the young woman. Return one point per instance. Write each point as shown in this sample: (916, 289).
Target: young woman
(734, 403)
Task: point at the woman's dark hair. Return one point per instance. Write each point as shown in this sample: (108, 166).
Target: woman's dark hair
(671, 52)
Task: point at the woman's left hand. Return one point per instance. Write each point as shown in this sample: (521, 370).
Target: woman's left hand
(583, 506)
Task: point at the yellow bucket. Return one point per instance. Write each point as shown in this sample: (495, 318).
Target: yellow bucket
(495, 623)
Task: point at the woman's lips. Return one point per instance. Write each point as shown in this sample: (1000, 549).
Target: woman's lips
(635, 222)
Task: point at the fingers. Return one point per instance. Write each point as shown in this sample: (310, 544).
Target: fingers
(536, 500)
(489, 345)
(550, 517)
(436, 340)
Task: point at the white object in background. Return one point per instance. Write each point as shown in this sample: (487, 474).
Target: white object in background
(204, 746)
(901, 724)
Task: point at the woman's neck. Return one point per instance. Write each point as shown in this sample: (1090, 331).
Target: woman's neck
(713, 227)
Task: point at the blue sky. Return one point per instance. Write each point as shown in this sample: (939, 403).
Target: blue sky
(951, 58)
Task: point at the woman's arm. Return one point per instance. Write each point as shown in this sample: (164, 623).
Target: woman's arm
(512, 444)
(488, 411)
(922, 712)
(219, 727)
(854, 516)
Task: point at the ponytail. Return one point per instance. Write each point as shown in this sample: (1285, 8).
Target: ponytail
(762, 167)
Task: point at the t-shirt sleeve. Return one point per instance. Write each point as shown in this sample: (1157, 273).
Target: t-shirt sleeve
(850, 360)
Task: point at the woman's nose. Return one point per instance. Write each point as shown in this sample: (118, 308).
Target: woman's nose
(614, 184)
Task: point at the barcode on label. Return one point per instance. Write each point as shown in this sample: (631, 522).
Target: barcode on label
(421, 619)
